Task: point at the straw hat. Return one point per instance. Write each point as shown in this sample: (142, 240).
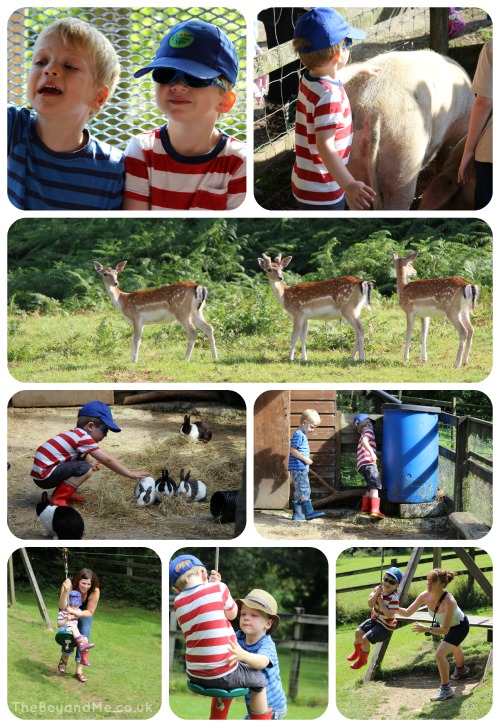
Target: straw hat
(262, 601)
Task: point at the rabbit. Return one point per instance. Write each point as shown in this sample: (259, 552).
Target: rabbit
(145, 492)
(165, 485)
(61, 521)
(192, 488)
(197, 430)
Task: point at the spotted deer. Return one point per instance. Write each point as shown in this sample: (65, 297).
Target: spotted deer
(453, 298)
(342, 297)
(181, 302)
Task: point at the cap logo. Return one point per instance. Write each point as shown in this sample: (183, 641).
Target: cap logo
(181, 39)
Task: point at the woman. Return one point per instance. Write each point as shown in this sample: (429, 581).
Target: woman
(452, 623)
(87, 583)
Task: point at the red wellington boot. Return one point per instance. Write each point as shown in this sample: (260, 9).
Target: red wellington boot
(62, 494)
(355, 653)
(264, 715)
(375, 509)
(219, 708)
(365, 503)
(361, 661)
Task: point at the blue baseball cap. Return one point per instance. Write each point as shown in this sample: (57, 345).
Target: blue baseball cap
(74, 598)
(324, 28)
(174, 572)
(100, 410)
(198, 48)
(395, 573)
(360, 418)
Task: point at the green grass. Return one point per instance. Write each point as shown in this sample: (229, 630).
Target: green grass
(87, 347)
(124, 679)
(412, 655)
(311, 702)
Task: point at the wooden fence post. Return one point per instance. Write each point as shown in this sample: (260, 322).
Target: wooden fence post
(462, 452)
(36, 590)
(298, 630)
(12, 589)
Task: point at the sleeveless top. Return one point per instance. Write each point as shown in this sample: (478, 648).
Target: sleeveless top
(458, 616)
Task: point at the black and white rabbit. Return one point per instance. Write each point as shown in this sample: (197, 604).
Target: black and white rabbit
(165, 485)
(61, 521)
(145, 492)
(191, 488)
(196, 430)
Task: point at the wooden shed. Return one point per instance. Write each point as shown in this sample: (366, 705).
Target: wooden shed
(276, 417)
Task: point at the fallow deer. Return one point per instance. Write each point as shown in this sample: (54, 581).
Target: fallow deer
(453, 298)
(342, 297)
(181, 302)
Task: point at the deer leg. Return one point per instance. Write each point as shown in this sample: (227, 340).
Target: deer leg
(297, 327)
(303, 336)
(409, 329)
(425, 330)
(192, 335)
(136, 341)
(207, 330)
(359, 344)
(464, 333)
(468, 343)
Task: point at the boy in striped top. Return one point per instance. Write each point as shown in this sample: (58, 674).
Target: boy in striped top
(366, 462)
(204, 608)
(61, 462)
(384, 603)
(188, 163)
(54, 162)
(323, 125)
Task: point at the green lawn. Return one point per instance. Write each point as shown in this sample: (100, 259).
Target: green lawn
(88, 347)
(311, 702)
(124, 679)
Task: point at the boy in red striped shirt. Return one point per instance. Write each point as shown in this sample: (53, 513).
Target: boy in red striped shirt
(384, 603)
(366, 462)
(188, 163)
(204, 608)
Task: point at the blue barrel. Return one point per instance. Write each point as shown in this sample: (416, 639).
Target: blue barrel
(410, 452)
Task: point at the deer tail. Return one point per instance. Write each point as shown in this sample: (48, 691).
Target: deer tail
(472, 293)
(201, 295)
(366, 290)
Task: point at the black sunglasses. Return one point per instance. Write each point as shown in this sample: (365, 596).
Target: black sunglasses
(169, 75)
(347, 43)
(104, 429)
(390, 581)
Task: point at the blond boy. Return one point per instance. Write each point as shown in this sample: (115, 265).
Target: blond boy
(298, 465)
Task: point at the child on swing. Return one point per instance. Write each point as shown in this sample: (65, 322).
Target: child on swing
(204, 607)
(258, 617)
(384, 604)
(67, 622)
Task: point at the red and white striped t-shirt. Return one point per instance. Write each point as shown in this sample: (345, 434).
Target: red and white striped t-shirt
(65, 447)
(322, 104)
(362, 455)
(391, 601)
(157, 174)
(200, 614)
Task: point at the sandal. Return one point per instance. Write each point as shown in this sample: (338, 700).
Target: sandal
(80, 678)
(61, 667)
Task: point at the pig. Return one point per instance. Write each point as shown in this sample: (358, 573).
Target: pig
(444, 191)
(416, 106)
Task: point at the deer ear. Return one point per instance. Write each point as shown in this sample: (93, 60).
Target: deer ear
(262, 262)
(120, 266)
(395, 256)
(286, 261)
(98, 266)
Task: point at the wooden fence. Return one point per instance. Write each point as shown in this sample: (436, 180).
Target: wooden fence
(296, 645)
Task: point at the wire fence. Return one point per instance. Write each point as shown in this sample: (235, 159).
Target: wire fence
(136, 34)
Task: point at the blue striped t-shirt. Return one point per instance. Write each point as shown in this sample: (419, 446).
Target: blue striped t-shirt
(276, 697)
(301, 443)
(90, 178)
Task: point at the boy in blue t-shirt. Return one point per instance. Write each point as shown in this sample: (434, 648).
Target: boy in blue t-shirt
(298, 466)
(258, 617)
(54, 162)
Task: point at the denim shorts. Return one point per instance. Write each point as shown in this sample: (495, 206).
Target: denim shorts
(74, 468)
(374, 631)
(371, 474)
(242, 676)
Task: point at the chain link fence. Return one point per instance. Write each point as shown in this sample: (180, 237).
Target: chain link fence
(136, 34)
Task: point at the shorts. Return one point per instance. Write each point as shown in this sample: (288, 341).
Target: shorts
(372, 477)
(457, 633)
(74, 468)
(242, 676)
(374, 631)
(301, 485)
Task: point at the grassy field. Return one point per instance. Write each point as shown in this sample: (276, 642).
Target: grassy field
(90, 347)
(124, 679)
(311, 702)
